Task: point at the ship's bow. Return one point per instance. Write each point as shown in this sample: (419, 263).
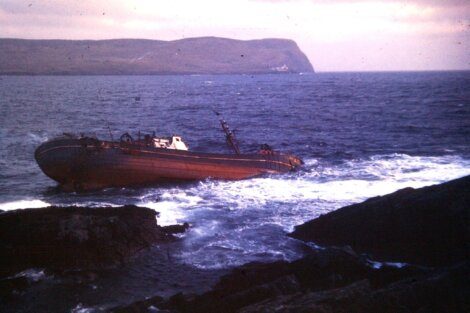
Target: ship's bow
(58, 159)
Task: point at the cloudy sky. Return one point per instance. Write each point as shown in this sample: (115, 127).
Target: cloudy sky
(337, 35)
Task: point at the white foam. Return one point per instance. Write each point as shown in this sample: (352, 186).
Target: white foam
(327, 187)
(229, 216)
(32, 274)
(171, 205)
(402, 167)
(380, 175)
(378, 265)
(356, 181)
(97, 204)
(81, 309)
(23, 204)
(35, 138)
(153, 308)
(170, 213)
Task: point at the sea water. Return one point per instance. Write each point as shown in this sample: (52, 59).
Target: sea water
(360, 134)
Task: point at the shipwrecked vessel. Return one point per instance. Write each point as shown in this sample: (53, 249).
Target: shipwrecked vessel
(85, 163)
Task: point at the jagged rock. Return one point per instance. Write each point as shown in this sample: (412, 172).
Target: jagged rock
(75, 237)
(175, 229)
(257, 282)
(307, 302)
(141, 306)
(428, 226)
(11, 286)
(408, 290)
(443, 291)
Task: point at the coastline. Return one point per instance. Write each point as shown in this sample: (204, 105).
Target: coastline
(333, 277)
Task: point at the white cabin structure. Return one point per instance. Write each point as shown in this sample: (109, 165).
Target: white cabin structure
(174, 142)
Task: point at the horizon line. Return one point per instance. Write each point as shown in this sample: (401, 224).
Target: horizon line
(249, 74)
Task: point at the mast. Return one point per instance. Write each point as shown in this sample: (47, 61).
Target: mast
(229, 135)
(110, 133)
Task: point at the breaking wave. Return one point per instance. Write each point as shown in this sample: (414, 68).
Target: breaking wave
(242, 221)
(23, 204)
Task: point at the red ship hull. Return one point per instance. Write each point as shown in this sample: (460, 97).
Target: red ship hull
(86, 163)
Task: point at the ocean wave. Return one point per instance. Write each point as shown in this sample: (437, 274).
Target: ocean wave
(351, 181)
(237, 222)
(234, 222)
(32, 274)
(37, 138)
(23, 204)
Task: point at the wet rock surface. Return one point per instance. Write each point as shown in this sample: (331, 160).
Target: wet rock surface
(428, 226)
(175, 229)
(439, 291)
(328, 280)
(65, 238)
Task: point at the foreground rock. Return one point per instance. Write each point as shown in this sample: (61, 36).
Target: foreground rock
(428, 226)
(61, 238)
(257, 283)
(328, 280)
(205, 55)
(439, 291)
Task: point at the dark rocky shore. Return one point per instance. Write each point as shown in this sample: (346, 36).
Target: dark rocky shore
(64, 238)
(428, 227)
(425, 229)
(329, 280)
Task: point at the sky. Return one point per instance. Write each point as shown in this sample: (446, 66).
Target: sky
(336, 35)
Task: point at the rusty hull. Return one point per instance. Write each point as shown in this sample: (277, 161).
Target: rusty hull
(87, 163)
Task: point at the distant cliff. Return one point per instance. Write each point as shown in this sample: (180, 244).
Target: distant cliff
(205, 55)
